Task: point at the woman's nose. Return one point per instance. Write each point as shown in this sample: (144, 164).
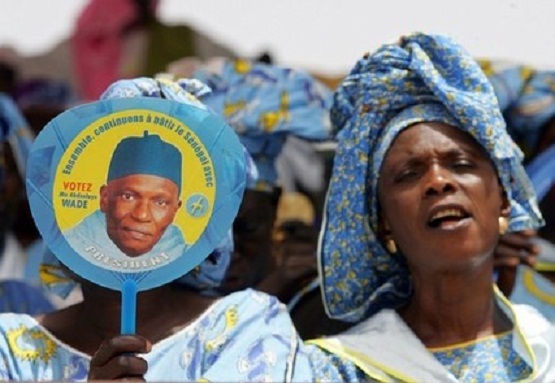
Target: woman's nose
(438, 181)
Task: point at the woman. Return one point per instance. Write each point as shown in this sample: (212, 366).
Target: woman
(425, 179)
(185, 335)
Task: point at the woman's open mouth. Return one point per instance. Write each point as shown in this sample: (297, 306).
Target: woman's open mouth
(448, 218)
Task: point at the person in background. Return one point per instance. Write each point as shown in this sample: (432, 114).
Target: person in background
(425, 181)
(40, 101)
(301, 169)
(126, 39)
(17, 139)
(36, 102)
(17, 294)
(526, 259)
(265, 104)
(269, 105)
(185, 335)
(111, 40)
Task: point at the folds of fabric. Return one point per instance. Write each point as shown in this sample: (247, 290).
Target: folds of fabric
(421, 78)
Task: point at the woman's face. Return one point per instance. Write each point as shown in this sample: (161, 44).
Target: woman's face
(440, 198)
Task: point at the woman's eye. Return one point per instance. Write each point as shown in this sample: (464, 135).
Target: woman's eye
(463, 164)
(406, 175)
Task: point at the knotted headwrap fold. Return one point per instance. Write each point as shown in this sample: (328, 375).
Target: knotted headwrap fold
(421, 78)
(264, 104)
(210, 273)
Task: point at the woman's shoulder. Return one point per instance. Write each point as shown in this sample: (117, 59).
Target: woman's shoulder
(20, 333)
(251, 296)
(25, 330)
(244, 336)
(240, 311)
(30, 352)
(253, 317)
(247, 307)
(253, 301)
(11, 320)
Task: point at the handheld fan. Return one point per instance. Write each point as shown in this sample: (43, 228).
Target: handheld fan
(134, 193)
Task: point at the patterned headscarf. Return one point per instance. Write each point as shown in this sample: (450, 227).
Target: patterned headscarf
(526, 97)
(264, 104)
(210, 273)
(420, 78)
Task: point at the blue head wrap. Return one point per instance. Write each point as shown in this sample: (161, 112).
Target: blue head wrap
(210, 273)
(264, 104)
(146, 155)
(421, 78)
(526, 97)
(185, 91)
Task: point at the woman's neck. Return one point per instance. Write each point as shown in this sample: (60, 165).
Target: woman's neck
(160, 313)
(445, 310)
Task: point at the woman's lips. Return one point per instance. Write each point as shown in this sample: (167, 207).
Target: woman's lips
(448, 216)
(452, 223)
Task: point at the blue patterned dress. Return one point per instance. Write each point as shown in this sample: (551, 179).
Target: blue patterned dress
(490, 359)
(383, 348)
(246, 336)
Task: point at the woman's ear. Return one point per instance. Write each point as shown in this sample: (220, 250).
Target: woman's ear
(505, 206)
(384, 232)
(386, 237)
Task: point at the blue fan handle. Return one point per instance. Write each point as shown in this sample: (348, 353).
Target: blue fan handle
(128, 307)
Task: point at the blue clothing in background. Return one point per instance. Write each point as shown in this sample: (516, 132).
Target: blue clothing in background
(20, 297)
